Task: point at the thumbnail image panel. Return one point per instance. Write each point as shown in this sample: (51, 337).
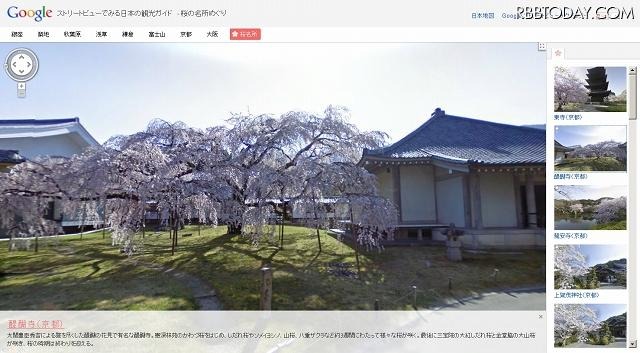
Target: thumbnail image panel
(590, 266)
(590, 89)
(590, 325)
(596, 148)
(588, 207)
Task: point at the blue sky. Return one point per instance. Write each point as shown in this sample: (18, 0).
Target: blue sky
(571, 135)
(616, 75)
(116, 88)
(605, 311)
(598, 254)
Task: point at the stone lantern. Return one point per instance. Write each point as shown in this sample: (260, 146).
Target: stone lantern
(454, 243)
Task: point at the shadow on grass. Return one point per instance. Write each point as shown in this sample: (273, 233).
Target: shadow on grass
(121, 288)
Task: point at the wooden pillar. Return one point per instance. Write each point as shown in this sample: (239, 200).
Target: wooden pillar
(466, 201)
(531, 202)
(518, 200)
(397, 196)
(476, 200)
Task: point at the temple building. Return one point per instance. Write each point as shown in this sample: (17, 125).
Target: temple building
(9, 158)
(45, 137)
(485, 178)
(27, 139)
(561, 152)
(597, 84)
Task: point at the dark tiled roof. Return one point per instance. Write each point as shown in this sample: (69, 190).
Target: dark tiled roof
(467, 141)
(31, 122)
(10, 156)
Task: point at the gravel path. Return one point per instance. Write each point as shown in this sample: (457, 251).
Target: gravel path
(203, 293)
(508, 299)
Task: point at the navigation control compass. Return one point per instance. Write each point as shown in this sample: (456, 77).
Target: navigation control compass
(21, 65)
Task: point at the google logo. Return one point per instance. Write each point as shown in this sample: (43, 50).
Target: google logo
(37, 15)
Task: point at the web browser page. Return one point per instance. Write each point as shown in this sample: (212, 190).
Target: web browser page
(295, 176)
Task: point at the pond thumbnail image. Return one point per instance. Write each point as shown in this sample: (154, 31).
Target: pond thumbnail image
(590, 89)
(590, 266)
(590, 325)
(594, 148)
(589, 207)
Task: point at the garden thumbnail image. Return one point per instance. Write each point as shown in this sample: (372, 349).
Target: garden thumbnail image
(590, 267)
(596, 148)
(589, 207)
(590, 89)
(590, 325)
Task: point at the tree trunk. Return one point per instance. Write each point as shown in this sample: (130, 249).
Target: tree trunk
(284, 215)
(84, 216)
(318, 235)
(173, 242)
(143, 219)
(355, 241)
(315, 214)
(174, 237)
(234, 229)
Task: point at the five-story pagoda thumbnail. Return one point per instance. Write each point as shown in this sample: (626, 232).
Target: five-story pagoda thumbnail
(597, 84)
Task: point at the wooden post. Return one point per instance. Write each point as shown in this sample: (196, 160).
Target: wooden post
(397, 192)
(104, 219)
(144, 216)
(376, 305)
(532, 215)
(476, 200)
(415, 296)
(450, 283)
(266, 290)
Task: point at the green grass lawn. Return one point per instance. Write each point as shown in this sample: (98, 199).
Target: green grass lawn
(602, 107)
(613, 107)
(618, 225)
(69, 273)
(73, 274)
(591, 164)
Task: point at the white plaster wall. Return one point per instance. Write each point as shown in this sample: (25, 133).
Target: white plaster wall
(450, 201)
(385, 184)
(498, 200)
(30, 147)
(417, 193)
